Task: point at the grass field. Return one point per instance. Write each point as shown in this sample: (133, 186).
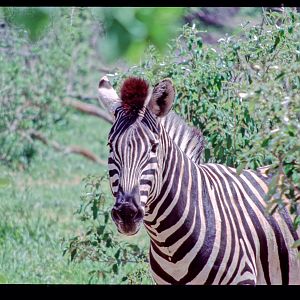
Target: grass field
(37, 209)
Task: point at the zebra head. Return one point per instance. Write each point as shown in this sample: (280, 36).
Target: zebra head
(134, 142)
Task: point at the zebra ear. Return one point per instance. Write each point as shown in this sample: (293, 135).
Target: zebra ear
(162, 98)
(108, 96)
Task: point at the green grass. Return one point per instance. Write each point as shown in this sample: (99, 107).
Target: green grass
(37, 208)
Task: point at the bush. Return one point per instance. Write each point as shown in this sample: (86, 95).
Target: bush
(36, 77)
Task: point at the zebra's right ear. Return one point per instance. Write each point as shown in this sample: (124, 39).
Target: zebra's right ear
(162, 98)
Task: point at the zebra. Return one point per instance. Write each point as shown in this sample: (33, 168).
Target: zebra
(207, 225)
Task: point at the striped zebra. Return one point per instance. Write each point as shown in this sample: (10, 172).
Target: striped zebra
(207, 225)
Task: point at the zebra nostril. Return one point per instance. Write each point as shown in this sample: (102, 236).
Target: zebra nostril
(115, 215)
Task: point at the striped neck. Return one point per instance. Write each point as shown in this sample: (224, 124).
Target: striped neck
(172, 201)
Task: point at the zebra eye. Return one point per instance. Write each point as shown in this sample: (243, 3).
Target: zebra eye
(154, 147)
(109, 144)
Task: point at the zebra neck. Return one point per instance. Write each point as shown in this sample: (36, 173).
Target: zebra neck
(169, 216)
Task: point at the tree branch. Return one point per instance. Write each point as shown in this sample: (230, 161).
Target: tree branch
(88, 98)
(89, 109)
(65, 149)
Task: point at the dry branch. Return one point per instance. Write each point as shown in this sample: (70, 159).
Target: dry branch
(217, 17)
(86, 98)
(89, 109)
(66, 149)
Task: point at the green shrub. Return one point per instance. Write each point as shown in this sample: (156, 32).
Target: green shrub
(36, 77)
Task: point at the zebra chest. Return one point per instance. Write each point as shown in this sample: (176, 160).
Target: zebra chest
(163, 267)
(181, 262)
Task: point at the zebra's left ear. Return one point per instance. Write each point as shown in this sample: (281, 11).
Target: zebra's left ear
(162, 98)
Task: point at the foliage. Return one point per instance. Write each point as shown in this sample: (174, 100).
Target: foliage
(36, 77)
(34, 20)
(114, 259)
(217, 21)
(48, 54)
(244, 95)
(128, 30)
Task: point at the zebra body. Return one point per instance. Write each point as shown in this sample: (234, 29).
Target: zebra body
(219, 231)
(207, 224)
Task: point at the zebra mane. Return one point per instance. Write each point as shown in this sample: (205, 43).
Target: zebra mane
(189, 139)
(134, 94)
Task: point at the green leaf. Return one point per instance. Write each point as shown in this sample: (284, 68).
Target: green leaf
(115, 268)
(241, 167)
(207, 155)
(251, 105)
(296, 222)
(117, 254)
(100, 229)
(281, 74)
(265, 142)
(3, 279)
(229, 141)
(4, 181)
(73, 253)
(296, 244)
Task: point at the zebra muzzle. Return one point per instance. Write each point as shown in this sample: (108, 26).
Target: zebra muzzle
(127, 214)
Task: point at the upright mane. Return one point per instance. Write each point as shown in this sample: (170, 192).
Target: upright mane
(134, 92)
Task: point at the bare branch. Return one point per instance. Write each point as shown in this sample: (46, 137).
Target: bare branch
(83, 98)
(18, 116)
(66, 149)
(86, 153)
(89, 109)
(218, 17)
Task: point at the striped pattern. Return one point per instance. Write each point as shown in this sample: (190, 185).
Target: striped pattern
(206, 224)
(188, 139)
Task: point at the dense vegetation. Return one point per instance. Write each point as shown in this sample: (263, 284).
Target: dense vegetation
(243, 93)
(37, 77)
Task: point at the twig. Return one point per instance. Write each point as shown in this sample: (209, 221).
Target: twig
(84, 98)
(89, 109)
(65, 149)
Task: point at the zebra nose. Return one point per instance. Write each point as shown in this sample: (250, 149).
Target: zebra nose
(125, 212)
(126, 208)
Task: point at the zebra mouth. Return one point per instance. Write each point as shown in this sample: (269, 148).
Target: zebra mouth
(129, 229)
(128, 218)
